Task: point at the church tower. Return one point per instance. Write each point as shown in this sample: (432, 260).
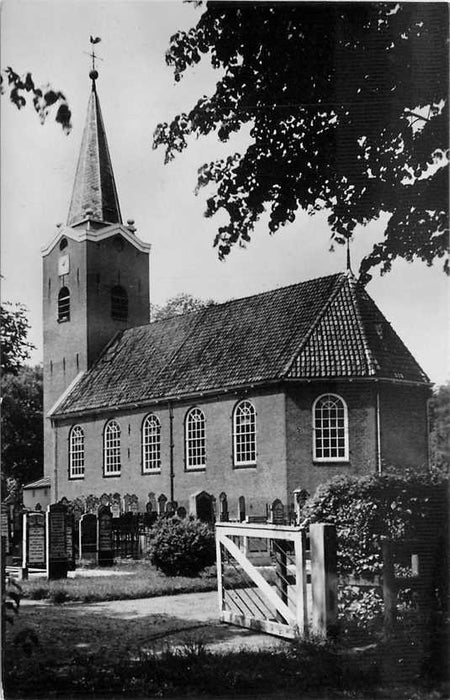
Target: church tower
(95, 273)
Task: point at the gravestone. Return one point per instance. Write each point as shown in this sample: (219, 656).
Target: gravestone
(152, 500)
(56, 546)
(88, 537)
(202, 506)
(131, 504)
(277, 513)
(92, 504)
(70, 541)
(181, 512)
(171, 507)
(241, 509)
(162, 500)
(35, 541)
(105, 540)
(105, 499)
(116, 507)
(6, 528)
(223, 507)
(134, 504)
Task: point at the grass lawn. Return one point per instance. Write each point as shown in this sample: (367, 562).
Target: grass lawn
(137, 580)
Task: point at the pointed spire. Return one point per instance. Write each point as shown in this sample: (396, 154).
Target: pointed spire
(94, 191)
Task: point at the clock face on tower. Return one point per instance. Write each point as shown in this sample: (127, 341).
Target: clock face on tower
(63, 265)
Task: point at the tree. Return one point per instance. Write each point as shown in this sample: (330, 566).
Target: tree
(44, 98)
(440, 427)
(179, 304)
(347, 104)
(22, 425)
(13, 337)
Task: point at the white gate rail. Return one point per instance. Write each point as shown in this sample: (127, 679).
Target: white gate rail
(291, 610)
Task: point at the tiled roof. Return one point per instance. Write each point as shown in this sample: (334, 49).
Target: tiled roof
(39, 484)
(94, 186)
(324, 328)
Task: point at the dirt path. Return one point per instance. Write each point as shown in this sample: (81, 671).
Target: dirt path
(152, 622)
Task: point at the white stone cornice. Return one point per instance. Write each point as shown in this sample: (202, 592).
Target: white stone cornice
(84, 234)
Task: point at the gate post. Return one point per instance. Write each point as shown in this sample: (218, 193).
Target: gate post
(300, 577)
(219, 572)
(323, 577)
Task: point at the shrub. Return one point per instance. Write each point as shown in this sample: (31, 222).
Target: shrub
(182, 547)
(402, 506)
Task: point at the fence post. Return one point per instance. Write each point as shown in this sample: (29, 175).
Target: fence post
(300, 578)
(219, 572)
(323, 577)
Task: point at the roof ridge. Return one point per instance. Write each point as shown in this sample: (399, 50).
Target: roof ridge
(244, 298)
(341, 276)
(372, 364)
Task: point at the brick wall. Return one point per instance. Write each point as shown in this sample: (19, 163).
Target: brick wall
(260, 484)
(72, 346)
(303, 472)
(404, 425)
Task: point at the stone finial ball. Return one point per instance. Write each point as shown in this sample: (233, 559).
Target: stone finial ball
(93, 74)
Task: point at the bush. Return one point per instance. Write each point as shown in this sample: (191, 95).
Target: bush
(402, 506)
(182, 547)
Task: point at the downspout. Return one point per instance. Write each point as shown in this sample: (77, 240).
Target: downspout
(378, 432)
(171, 472)
(55, 460)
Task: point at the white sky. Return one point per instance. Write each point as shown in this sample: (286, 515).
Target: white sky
(137, 90)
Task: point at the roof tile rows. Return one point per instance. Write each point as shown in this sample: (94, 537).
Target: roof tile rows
(324, 328)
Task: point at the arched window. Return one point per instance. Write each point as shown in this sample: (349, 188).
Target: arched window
(330, 427)
(111, 449)
(63, 304)
(195, 439)
(76, 453)
(119, 303)
(151, 444)
(244, 434)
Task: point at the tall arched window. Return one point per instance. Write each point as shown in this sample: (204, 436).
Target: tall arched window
(330, 428)
(151, 444)
(195, 439)
(244, 434)
(63, 304)
(76, 453)
(111, 449)
(119, 303)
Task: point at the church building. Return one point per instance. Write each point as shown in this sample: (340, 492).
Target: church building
(256, 398)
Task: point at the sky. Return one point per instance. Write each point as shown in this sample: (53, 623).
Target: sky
(137, 91)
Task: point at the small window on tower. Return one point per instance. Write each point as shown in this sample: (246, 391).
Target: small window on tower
(63, 305)
(63, 243)
(119, 303)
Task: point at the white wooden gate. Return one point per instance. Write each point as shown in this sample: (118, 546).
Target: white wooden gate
(285, 597)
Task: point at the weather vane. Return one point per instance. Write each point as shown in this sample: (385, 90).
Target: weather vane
(94, 40)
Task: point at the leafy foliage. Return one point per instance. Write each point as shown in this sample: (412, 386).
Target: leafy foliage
(347, 104)
(366, 508)
(182, 547)
(440, 427)
(22, 425)
(44, 98)
(13, 337)
(179, 304)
